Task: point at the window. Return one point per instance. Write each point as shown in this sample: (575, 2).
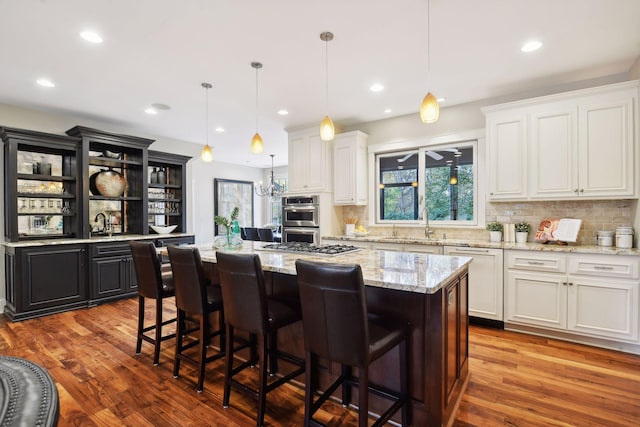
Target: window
(442, 179)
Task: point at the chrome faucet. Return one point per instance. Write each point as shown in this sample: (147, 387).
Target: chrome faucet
(427, 231)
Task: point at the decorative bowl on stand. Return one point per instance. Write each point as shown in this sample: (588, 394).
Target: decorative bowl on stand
(163, 229)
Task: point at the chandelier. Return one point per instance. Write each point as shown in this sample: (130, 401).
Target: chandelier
(273, 189)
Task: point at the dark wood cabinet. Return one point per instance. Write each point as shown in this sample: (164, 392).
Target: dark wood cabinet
(41, 185)
(166, 190)
(44, 279)
(112, 272)
(120, 154)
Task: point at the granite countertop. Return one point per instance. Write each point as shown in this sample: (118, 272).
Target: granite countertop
(529, 246)
(96, 239)
(410, 272)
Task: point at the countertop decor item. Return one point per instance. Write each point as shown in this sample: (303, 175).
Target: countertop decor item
(111, 154)
(163, 229)
(522, 231)
(558, 230)
(108, 183)
(495, 231)
(227, 239)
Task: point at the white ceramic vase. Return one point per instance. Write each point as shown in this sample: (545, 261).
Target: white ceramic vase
(521, 236)
(495, 236)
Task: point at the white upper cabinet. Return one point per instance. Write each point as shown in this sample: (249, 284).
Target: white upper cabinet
(309, 162)
(507, 155)
(575, 145)
(350, 169)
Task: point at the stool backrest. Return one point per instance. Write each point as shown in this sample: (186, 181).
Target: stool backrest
(250, 233)
(189, 279)
(265, 234)
(334, 312)
(243, 291)
(148, 271)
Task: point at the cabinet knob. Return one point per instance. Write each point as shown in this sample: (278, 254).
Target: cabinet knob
(575, 191)
(582, 190)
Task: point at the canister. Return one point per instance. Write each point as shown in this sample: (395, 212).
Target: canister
(624, 237)
(604, 238)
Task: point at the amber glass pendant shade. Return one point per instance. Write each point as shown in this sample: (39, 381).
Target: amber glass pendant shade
(327, 131)
(429, 110)
(257, 146)
(207, 154)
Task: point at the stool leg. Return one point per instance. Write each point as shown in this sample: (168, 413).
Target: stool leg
(363, 397)
(140, 323)
(309, 387)
(262, 390)
(273, 353)
(347, 372)
(204, 340)
(156, 350)
(223, 329)
(179, 336)
(228, 367)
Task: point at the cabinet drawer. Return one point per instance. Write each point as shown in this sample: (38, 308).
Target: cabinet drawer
(110, 249)
(624, 267)
(536, 261)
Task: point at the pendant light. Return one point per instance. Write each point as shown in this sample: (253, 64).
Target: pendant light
(429, 110)
(257, 146)
(207, 153)
(273, 189)
(327, 131)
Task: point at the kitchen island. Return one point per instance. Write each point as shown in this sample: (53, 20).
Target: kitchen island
(427, 291)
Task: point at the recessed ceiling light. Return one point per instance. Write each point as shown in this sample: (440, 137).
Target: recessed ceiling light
(45, 83)
(531, 46)
(283, 112)
(441, 99)
(219, 129)
(376, 87)
(91, 36)
(387, 111)
(151, 111)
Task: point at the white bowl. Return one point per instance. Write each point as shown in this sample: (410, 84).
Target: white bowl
(161, 229)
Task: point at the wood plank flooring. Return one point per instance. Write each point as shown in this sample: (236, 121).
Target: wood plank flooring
(516, 379)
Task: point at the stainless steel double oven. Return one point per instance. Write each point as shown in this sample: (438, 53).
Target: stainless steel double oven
(300, 219)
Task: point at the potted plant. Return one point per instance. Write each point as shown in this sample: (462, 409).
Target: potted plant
(522, 231)
(495, 231)
(227, 239)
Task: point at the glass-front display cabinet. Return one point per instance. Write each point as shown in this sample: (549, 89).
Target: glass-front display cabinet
(166, 196)
(114, 182)
(41, 185)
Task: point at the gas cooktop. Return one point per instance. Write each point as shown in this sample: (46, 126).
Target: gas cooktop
(308, 248)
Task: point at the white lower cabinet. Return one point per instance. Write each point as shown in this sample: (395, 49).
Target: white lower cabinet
(590, 295)
(485, 281)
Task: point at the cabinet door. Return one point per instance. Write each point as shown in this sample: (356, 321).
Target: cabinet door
(603, 307)
(536, 299)
(507, 155)
(553, 141)
(344, 162)
(50, 278)
(316, 165)
(109, 277)
(298, 159)
(486, 287)
(606, 147)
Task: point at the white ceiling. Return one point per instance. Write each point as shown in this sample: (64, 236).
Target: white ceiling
(160, 51)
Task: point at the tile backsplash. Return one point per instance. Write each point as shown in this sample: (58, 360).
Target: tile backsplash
(595, 215)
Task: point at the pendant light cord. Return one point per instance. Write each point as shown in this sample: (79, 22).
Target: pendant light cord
(428, 38)
(326, 74)
(206, 118)
(256, 99)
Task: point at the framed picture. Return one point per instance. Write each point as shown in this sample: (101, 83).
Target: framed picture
(229, 193)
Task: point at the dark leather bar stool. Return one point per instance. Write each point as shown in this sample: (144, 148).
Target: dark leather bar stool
(154, 284)
(265, 234)
(249, 233)
(337, 327)
(195, 296)
(247, 308)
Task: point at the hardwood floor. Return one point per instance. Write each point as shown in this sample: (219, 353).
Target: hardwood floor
(516, 379)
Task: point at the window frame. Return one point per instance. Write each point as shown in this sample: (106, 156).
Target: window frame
(476, 137)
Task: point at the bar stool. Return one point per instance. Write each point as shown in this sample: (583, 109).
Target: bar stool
(195, 296)
(265, 235)
(249, 309)
(249, 233)
(153, 284)
(337, 327)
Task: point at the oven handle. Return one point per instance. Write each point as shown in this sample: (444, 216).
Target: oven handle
(300, 208)
(301, 230)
